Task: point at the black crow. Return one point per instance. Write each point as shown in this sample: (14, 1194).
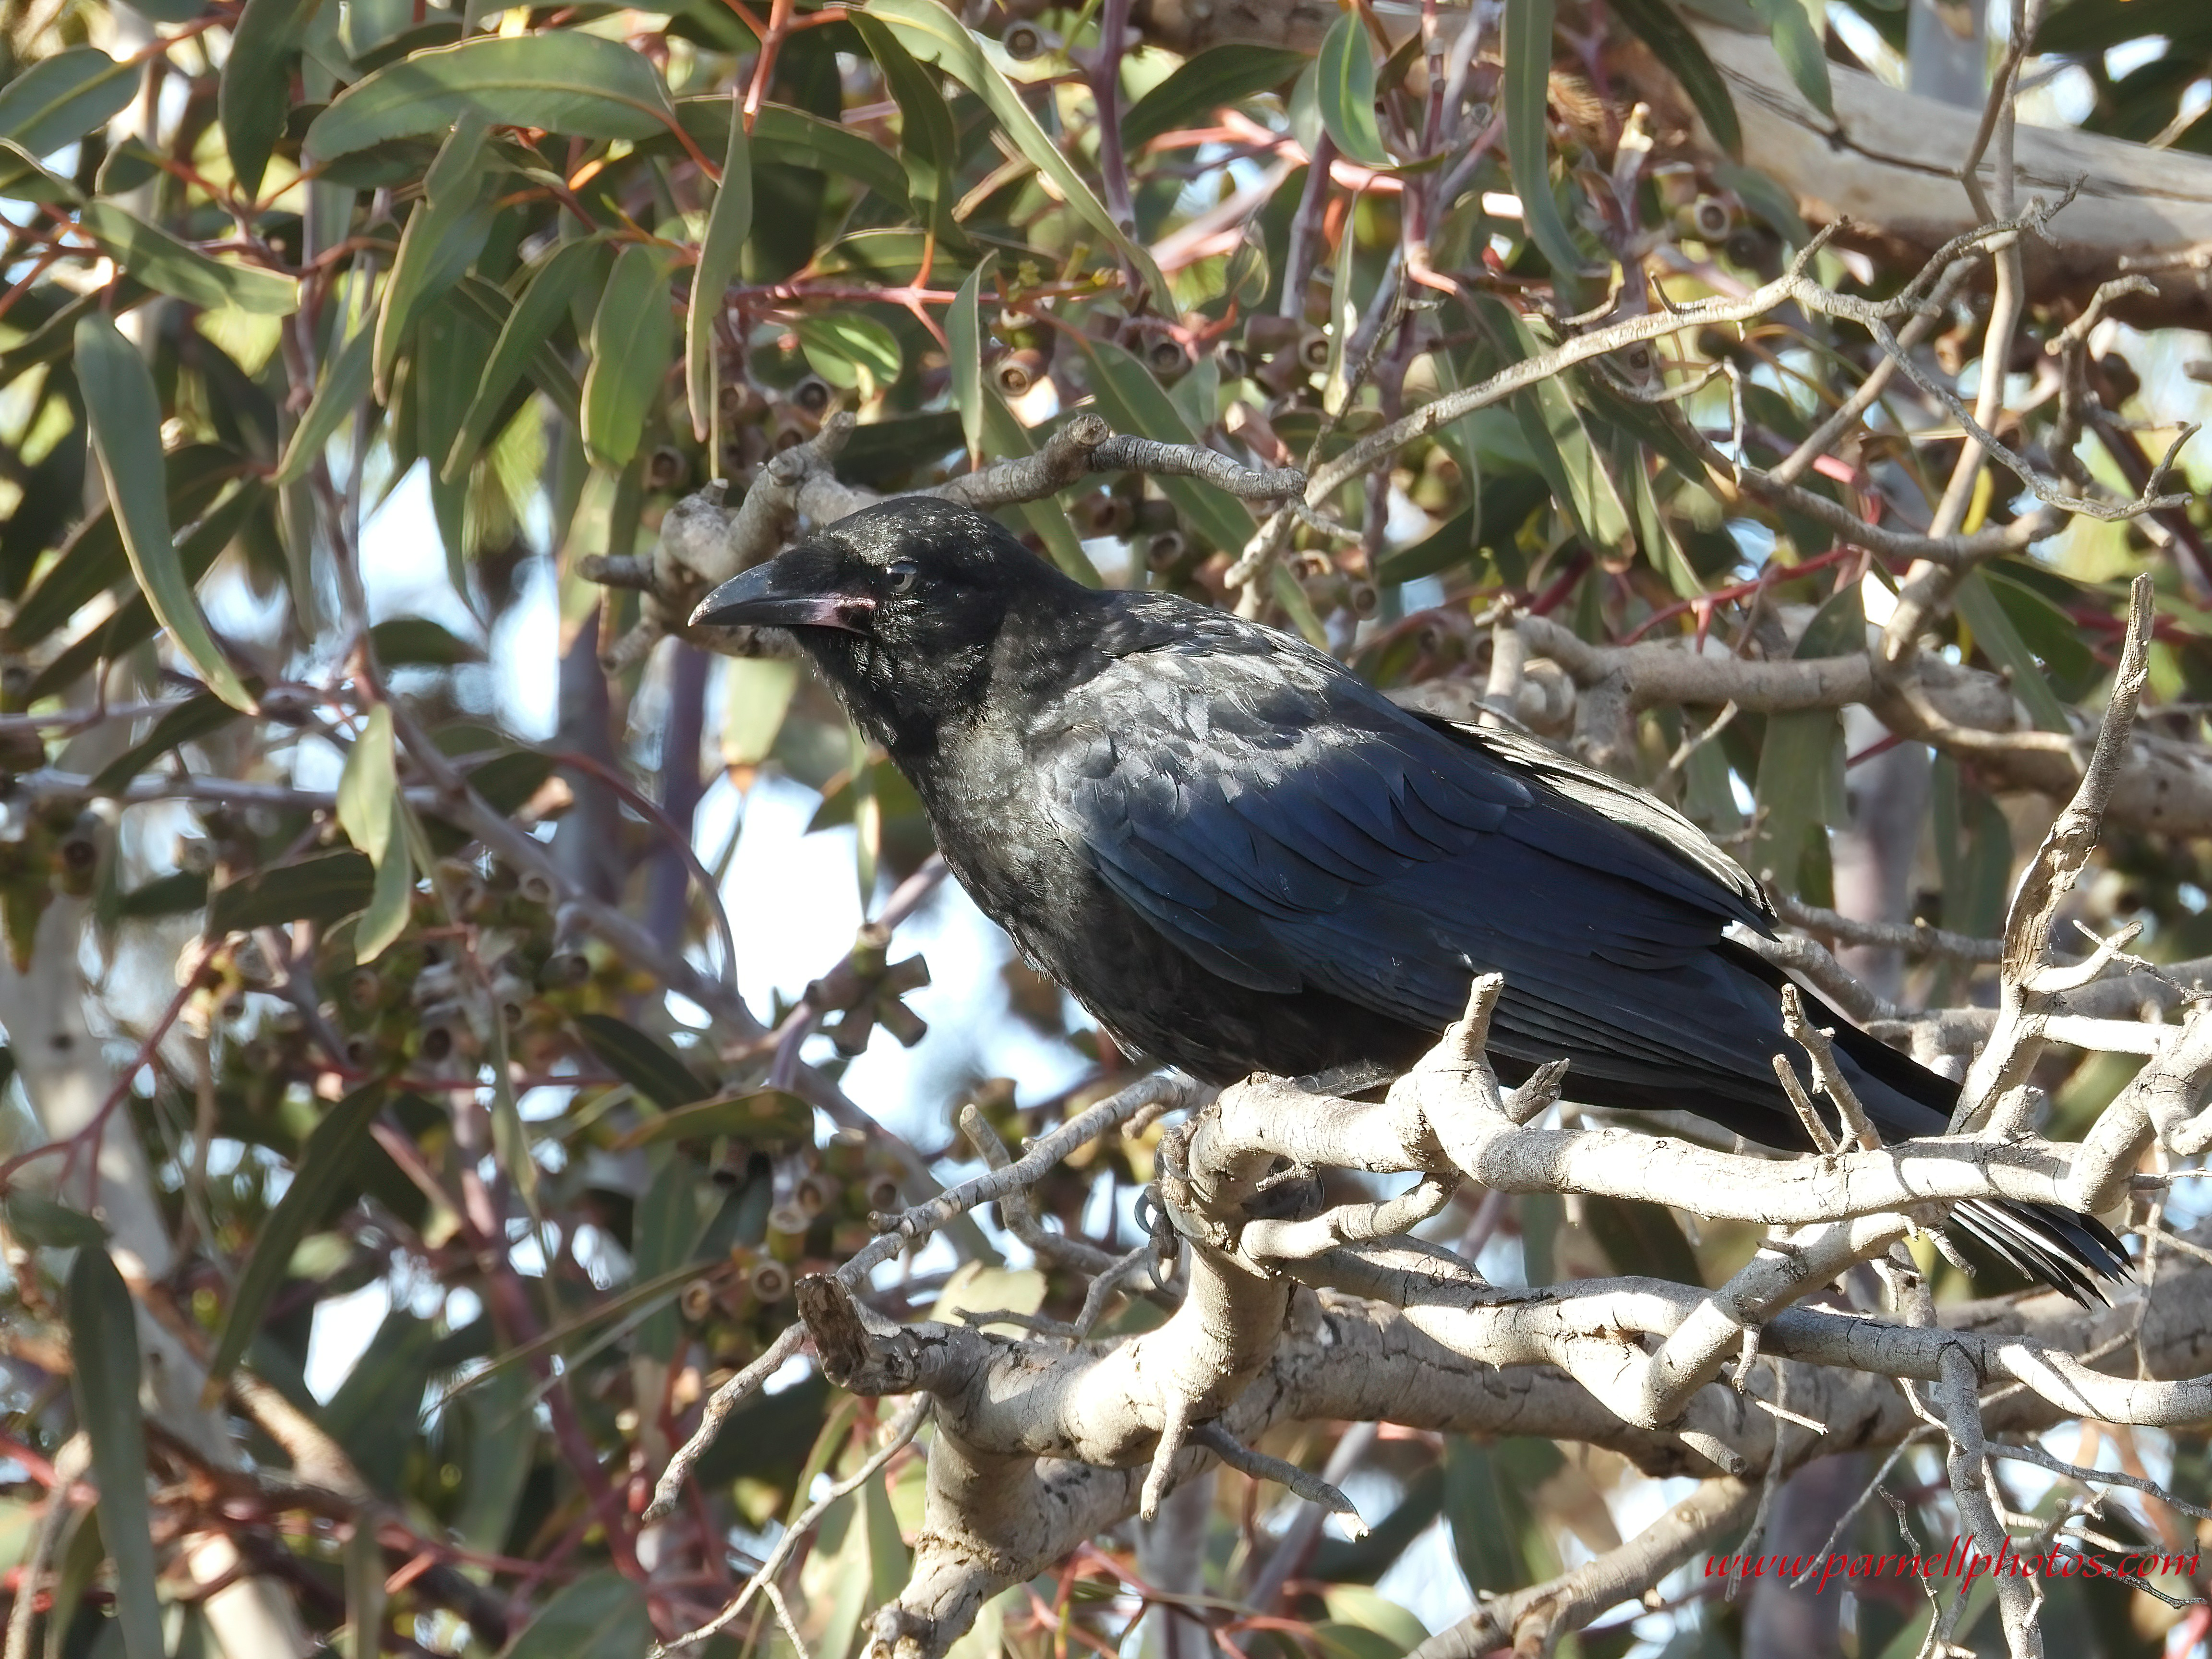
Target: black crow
(1240, 857)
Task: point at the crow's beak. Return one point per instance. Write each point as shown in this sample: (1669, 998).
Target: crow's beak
(767, 596)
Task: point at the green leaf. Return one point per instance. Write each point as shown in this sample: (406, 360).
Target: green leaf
(1801, 762)
(331, 1157)
(867, 1563)
(364, 1591)
(161, 262)
(255, 97)
(1129, 396)
(929, 144)
(93, 560)
(321, 888)
(792, 138)
(38, 1220)
(1452, 543)
(632, 334)
(756, 1116)
(417, 641)
(344, 388)
(507, 781)
(133, 621)
(1979, 608)
(600, 1616)
(125, 418)
(484, 304)
(193, 719)
(1563, 449)
(2085, 27)
(522, 341)
(104, 1357)
(502, 1437)
(178, 893)
(1673, 44)
(964, 353)
(936, 36)
(58, 100)
(395, 1366)
(1359, 1607)
(1345, 82)
(851, 349)
(1006, 436)
(1639, 1237)
(1765, 200)
(1298, 608)
(582, 86)
(369, 786)
(443, 237)
(1527, 96)
(23, 179)
(392, 900)
(729, 221)
(1797, 43)
(665, 1235)
(650, 1067)
(2055, 637)
(1497, 1539)
(1215, 79)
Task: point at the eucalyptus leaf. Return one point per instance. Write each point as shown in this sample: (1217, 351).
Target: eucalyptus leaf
(601, 1615)
(1797, 43)
(443, 236)
(728, 223)
(1345, 83)
(1132, 399)
(38, 1220)
(929, 145)
(57, 99)
(125, 417)
(169, 266)
(1004, 437)
(255, 93)
(1675, 45)
(758, 1116)
(322, 889)
(1978, 607)
(1528, 97)
(391, 899)
(331, 1156)
(369, 786)
(851, 349)
(581, 85)
(1213, 80)
(633, 335)
(963, 354)
(344, 388)
(104, 1352)
(195, 718)
(936, 36)
(646, 1065)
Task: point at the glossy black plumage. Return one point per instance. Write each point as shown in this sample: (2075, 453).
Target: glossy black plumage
(1240, 857)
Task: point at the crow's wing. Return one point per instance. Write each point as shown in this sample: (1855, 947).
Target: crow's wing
(1288, 828)
(1625, 805)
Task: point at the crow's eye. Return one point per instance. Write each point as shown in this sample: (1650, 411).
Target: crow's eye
(903, 573)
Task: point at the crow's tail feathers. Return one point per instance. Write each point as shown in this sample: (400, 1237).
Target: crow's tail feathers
(2066, 1250)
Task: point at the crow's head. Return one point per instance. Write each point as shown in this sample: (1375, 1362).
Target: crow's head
(906, 607)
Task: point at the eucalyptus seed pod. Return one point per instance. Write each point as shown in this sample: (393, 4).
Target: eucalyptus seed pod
(787, 1232)
(770, 1281)
(1018, 370)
